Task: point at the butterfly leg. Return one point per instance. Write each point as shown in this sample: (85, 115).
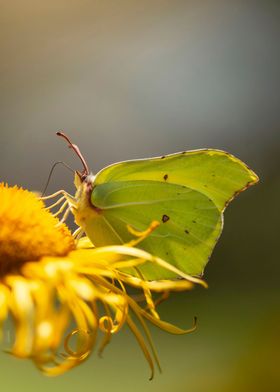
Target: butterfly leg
(65, 216)
(59, 201)
(62, 208)
(53, 195)
(78, 233)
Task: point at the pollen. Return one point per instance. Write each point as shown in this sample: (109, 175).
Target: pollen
(28, 231)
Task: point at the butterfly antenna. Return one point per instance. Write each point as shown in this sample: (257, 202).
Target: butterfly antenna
(77, 151)
(51, 172)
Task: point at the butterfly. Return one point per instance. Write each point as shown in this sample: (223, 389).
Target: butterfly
(186, 192)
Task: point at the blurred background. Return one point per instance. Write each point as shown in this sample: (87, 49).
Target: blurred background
(133, 79)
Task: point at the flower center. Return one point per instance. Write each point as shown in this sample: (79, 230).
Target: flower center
(27, 230)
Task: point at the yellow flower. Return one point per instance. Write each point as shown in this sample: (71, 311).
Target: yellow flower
(60, 292)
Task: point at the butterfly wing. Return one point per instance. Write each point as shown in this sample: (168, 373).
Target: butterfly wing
(186, 192)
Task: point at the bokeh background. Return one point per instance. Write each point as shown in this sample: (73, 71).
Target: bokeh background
(132, 79)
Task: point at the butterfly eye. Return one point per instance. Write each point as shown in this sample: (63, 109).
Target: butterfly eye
(83, 177)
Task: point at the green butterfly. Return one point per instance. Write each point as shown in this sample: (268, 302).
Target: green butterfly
(186, 192)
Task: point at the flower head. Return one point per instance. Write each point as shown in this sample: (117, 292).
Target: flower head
(60, 293)
(28, 231)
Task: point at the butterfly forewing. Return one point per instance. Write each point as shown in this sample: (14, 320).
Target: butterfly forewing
(215, 173)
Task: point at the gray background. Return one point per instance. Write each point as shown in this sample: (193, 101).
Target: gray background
(133, 79)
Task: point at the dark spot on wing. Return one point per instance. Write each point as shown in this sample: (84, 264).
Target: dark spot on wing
(194, 221)
(166, 253)
(205, 186)
(213, 175)
(183, 152)
(165, 177)
(165, 218)
(162, 157)
(187, 231)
